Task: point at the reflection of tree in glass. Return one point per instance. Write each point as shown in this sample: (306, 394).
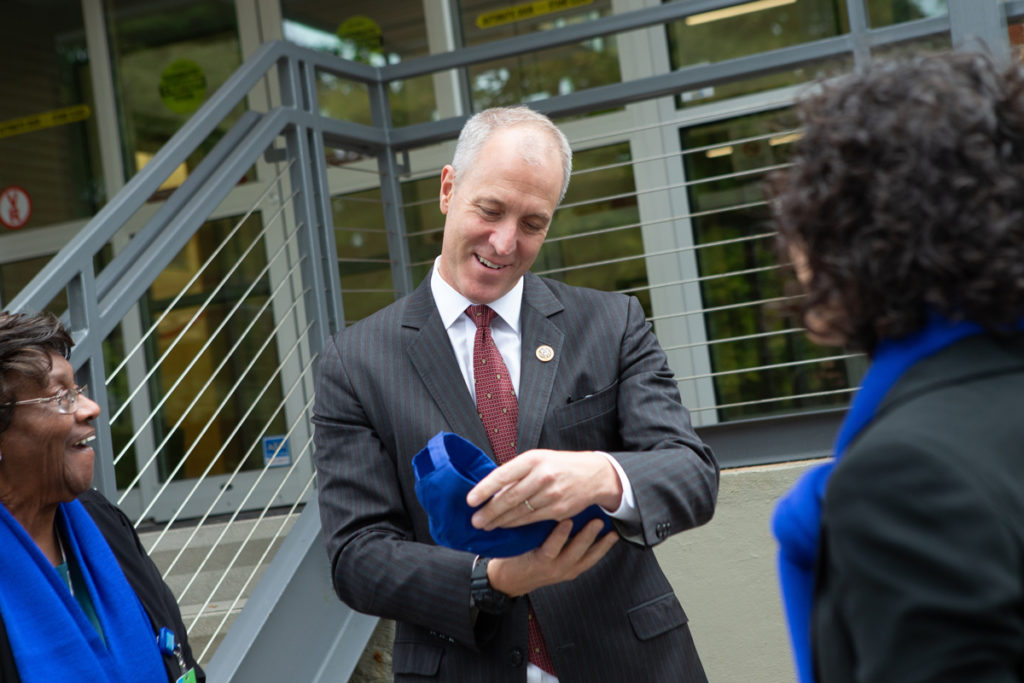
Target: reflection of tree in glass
(542, 74)
(595, 239)
(546, 73)
(745, 270)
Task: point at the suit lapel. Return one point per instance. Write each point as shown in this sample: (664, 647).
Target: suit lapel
(430, 353)
(537, 377)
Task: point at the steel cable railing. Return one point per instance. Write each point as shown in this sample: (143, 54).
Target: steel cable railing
(295, 384)
(182, 292)
(212, 421)
(181, 378)
(261, 561)
(719, 262)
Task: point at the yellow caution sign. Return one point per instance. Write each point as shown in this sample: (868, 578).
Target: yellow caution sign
(527, 10)
(47, 119)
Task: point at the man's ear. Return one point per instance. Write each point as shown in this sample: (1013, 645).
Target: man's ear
(447, 187)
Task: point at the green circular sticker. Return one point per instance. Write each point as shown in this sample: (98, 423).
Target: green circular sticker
(182, 86)
(362, 31)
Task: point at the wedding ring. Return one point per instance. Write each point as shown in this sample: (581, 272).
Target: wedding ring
(528, 506)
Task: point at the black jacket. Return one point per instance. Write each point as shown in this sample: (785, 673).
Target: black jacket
(921, 567)
(142, 575)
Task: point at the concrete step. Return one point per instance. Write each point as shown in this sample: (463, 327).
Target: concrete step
(213, 569)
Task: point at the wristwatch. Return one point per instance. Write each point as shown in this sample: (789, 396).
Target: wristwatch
(485, 598)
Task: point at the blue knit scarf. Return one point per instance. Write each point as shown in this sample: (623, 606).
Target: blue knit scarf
(797, 518)
(51, 637)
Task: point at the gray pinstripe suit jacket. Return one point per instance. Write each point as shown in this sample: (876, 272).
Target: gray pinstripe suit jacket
(389, 383)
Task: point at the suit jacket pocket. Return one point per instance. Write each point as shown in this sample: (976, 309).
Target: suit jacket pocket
(657, 616)
(588, 423)
(420, 659)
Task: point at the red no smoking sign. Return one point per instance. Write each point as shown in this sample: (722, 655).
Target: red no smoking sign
(15, 207)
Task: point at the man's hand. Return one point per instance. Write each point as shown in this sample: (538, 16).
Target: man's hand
(542, 484)
(557, 559)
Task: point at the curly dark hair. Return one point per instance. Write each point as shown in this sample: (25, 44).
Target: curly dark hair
(26, 342)
(906, 196)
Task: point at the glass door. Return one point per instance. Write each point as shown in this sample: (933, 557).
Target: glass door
(199, 407)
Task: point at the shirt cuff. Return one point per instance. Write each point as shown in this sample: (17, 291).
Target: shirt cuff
(626, 512)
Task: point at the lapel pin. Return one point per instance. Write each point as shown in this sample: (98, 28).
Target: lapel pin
(544, 353)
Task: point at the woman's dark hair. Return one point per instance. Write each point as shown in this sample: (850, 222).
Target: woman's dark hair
(26, 342)
(907, 197)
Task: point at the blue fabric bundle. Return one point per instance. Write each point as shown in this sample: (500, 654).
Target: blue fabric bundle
(446, 470)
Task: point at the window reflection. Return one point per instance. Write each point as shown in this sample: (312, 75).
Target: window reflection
(14, 275)
(48, 137)
(214, 417)
(169, 58)
(370, 32)
(726, 163)
(595, 238)
(750, 28)
(545, 73)
(888, 12)
(364, 264)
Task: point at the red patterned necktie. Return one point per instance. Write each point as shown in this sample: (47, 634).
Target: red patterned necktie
(499, 411)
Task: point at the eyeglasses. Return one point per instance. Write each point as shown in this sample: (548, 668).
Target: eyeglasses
(66, 400)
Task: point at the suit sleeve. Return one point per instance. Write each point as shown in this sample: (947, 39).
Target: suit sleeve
(924, 572)
(377, 566)
(673, 473)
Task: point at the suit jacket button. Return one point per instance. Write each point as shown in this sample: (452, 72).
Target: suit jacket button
(515, 657)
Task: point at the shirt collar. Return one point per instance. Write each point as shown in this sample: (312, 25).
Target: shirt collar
(451, 304)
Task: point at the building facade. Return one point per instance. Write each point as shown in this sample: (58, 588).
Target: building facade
(665, 203)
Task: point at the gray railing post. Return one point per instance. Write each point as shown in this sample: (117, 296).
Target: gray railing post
(312, 210)
(391, 192)
(858, 17)
(83, 322)
(979, 24)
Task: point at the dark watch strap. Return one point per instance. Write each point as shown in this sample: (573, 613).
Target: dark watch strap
(484, 596)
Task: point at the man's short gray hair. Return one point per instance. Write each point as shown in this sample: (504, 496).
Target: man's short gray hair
(481, 125)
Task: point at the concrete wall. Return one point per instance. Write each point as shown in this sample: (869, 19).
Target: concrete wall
(725, 576)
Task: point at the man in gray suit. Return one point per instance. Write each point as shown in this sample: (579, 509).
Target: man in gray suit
(599, 422)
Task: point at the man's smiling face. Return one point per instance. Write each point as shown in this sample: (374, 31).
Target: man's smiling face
(498, 212)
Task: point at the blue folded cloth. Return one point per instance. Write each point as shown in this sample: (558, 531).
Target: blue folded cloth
(446, 469)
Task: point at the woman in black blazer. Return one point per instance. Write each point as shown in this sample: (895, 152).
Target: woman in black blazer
(902, 558)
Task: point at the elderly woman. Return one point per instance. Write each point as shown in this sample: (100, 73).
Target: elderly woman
(902, 559)
(79, 598)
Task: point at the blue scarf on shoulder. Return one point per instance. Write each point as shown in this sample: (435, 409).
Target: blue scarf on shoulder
(797, 518)
(51, 637)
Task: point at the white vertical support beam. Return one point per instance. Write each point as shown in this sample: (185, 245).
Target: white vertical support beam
(114, 178)
(104, 98)
(979, 25)
(645, 53)
(260, 21)
(449, 86)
